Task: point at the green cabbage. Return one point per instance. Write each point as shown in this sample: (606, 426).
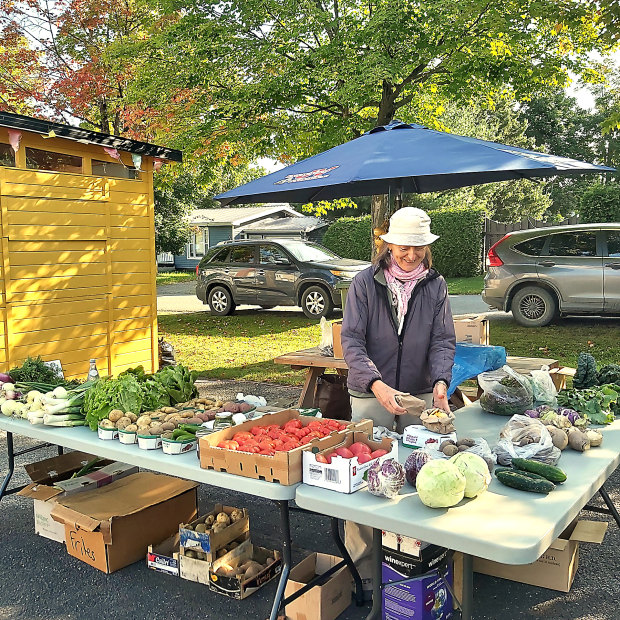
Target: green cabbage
(475, 470)
(440, 484)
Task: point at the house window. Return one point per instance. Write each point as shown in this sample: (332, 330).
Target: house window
(48, 160)
(114, 169)
(197, 244)
(7, 155)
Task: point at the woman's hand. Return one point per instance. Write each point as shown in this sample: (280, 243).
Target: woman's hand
(385, 395)
(440, 396)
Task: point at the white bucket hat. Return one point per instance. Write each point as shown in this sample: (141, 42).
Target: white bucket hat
(410, 226)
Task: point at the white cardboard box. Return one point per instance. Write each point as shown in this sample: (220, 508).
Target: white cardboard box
(418, 436)
(473, 330)
(344, 475)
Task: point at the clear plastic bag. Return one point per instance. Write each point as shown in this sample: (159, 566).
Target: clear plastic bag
(545, 392)
(525, 438)
(482, 448)
(506, 392)
(327, 338)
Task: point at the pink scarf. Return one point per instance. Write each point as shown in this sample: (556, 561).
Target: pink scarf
(401, 284)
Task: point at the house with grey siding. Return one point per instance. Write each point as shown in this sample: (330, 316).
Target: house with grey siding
(306, 227)
(212, 226)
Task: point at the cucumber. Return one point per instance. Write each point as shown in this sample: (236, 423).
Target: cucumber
(528, 474)
(554, 474)
(518, 480)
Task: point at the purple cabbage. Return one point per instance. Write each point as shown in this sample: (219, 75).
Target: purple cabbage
(542, 409)
(386, 479)
(414, 464)
(571, 414)
(532, 413)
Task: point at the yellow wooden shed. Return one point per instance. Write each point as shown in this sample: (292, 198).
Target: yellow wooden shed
(77, 261)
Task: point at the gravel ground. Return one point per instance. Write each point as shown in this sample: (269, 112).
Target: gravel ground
(40, 581)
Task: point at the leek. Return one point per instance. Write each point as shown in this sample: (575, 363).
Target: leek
(68, 423)
(70, 417)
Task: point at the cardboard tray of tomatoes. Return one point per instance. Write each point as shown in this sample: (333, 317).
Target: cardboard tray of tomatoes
(270, 448)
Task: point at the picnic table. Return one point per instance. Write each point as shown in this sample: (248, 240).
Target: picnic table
(316, 364)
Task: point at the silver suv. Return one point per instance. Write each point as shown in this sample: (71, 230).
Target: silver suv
(546, 272)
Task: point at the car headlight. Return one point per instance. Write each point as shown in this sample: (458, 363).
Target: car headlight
(343, 274)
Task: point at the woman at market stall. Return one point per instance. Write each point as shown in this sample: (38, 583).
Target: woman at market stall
(397, 339)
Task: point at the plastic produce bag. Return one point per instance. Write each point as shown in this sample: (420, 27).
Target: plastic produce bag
(506, 392)
(472, 359)
(525, 438)
(327, 338)
(545, 392)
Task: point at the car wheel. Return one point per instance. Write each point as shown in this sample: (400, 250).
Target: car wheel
(316, 302)
(533, 307)
(221, 302)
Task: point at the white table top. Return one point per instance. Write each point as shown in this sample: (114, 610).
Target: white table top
(180, 465)
(502, 524)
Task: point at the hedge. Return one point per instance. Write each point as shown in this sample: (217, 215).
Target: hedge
(600, 204)
(350, 237)
(457, 253)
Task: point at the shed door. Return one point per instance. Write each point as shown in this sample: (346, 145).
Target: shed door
(217, 234)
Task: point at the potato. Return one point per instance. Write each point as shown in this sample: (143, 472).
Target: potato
(154, 423)
(169, 410)
(190, 554)
(132, 416)
(167, 434)
(218, 527)
(143, 420)
(447, 442)
(168, 426)
(222, 552)
(223, 518)
(233, 545)
(269, 561)
(115, 415)
(450, 450)
(194, 421)
(253, 571)
(201, 555)
(462, 448)
(201, 527)
(210, 520)
(132, 428)
(236, 515)
(108, 424)
(123, 423)
(466, 441)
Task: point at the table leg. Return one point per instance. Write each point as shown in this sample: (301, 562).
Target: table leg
(307, 393)
(11, 458)
(610, 510)
(377, 552)
(467, 604)
(287, 561)
(359, 591)
(60, 451)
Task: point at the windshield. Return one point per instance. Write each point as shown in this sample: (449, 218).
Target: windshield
(308, 252)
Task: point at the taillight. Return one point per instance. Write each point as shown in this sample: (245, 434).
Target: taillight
(493, 259)
(197, 269)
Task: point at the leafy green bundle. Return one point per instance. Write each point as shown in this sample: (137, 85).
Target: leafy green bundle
(598, 404)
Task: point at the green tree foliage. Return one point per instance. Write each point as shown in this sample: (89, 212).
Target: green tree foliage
(180, 190)
(601, 203)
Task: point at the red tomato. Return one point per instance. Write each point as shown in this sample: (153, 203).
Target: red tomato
(266, 453)
(242, 436)
(333, 423)
(321, 459)
(325, 430)
(377, 453)
(342, 427)
(358, 447)
(278, 443)
(345, 453)
(363, 458)
(296, 423)
(272, 427)
(228, 444)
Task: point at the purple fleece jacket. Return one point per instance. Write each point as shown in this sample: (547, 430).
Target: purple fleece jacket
(413, 362)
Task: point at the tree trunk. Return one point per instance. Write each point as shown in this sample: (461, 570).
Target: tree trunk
(379, 221)
(379, 204)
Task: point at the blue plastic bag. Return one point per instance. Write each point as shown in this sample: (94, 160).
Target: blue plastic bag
(472, 359)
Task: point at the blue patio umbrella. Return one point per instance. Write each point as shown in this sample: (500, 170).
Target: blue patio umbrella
(402, 158)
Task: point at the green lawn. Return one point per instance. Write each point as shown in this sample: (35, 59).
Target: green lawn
(243, 346)
(174, 277)
(465, 286)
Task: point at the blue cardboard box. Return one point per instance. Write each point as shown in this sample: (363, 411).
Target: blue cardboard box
(420, 595)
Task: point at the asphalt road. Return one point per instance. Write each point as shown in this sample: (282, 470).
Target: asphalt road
(182, 298)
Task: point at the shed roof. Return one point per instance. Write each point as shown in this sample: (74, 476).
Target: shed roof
(301, 224)
(239, 216)
(85, 136)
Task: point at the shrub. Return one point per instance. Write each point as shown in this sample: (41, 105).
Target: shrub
(350, 237)
(600, 204)
(457, 253)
